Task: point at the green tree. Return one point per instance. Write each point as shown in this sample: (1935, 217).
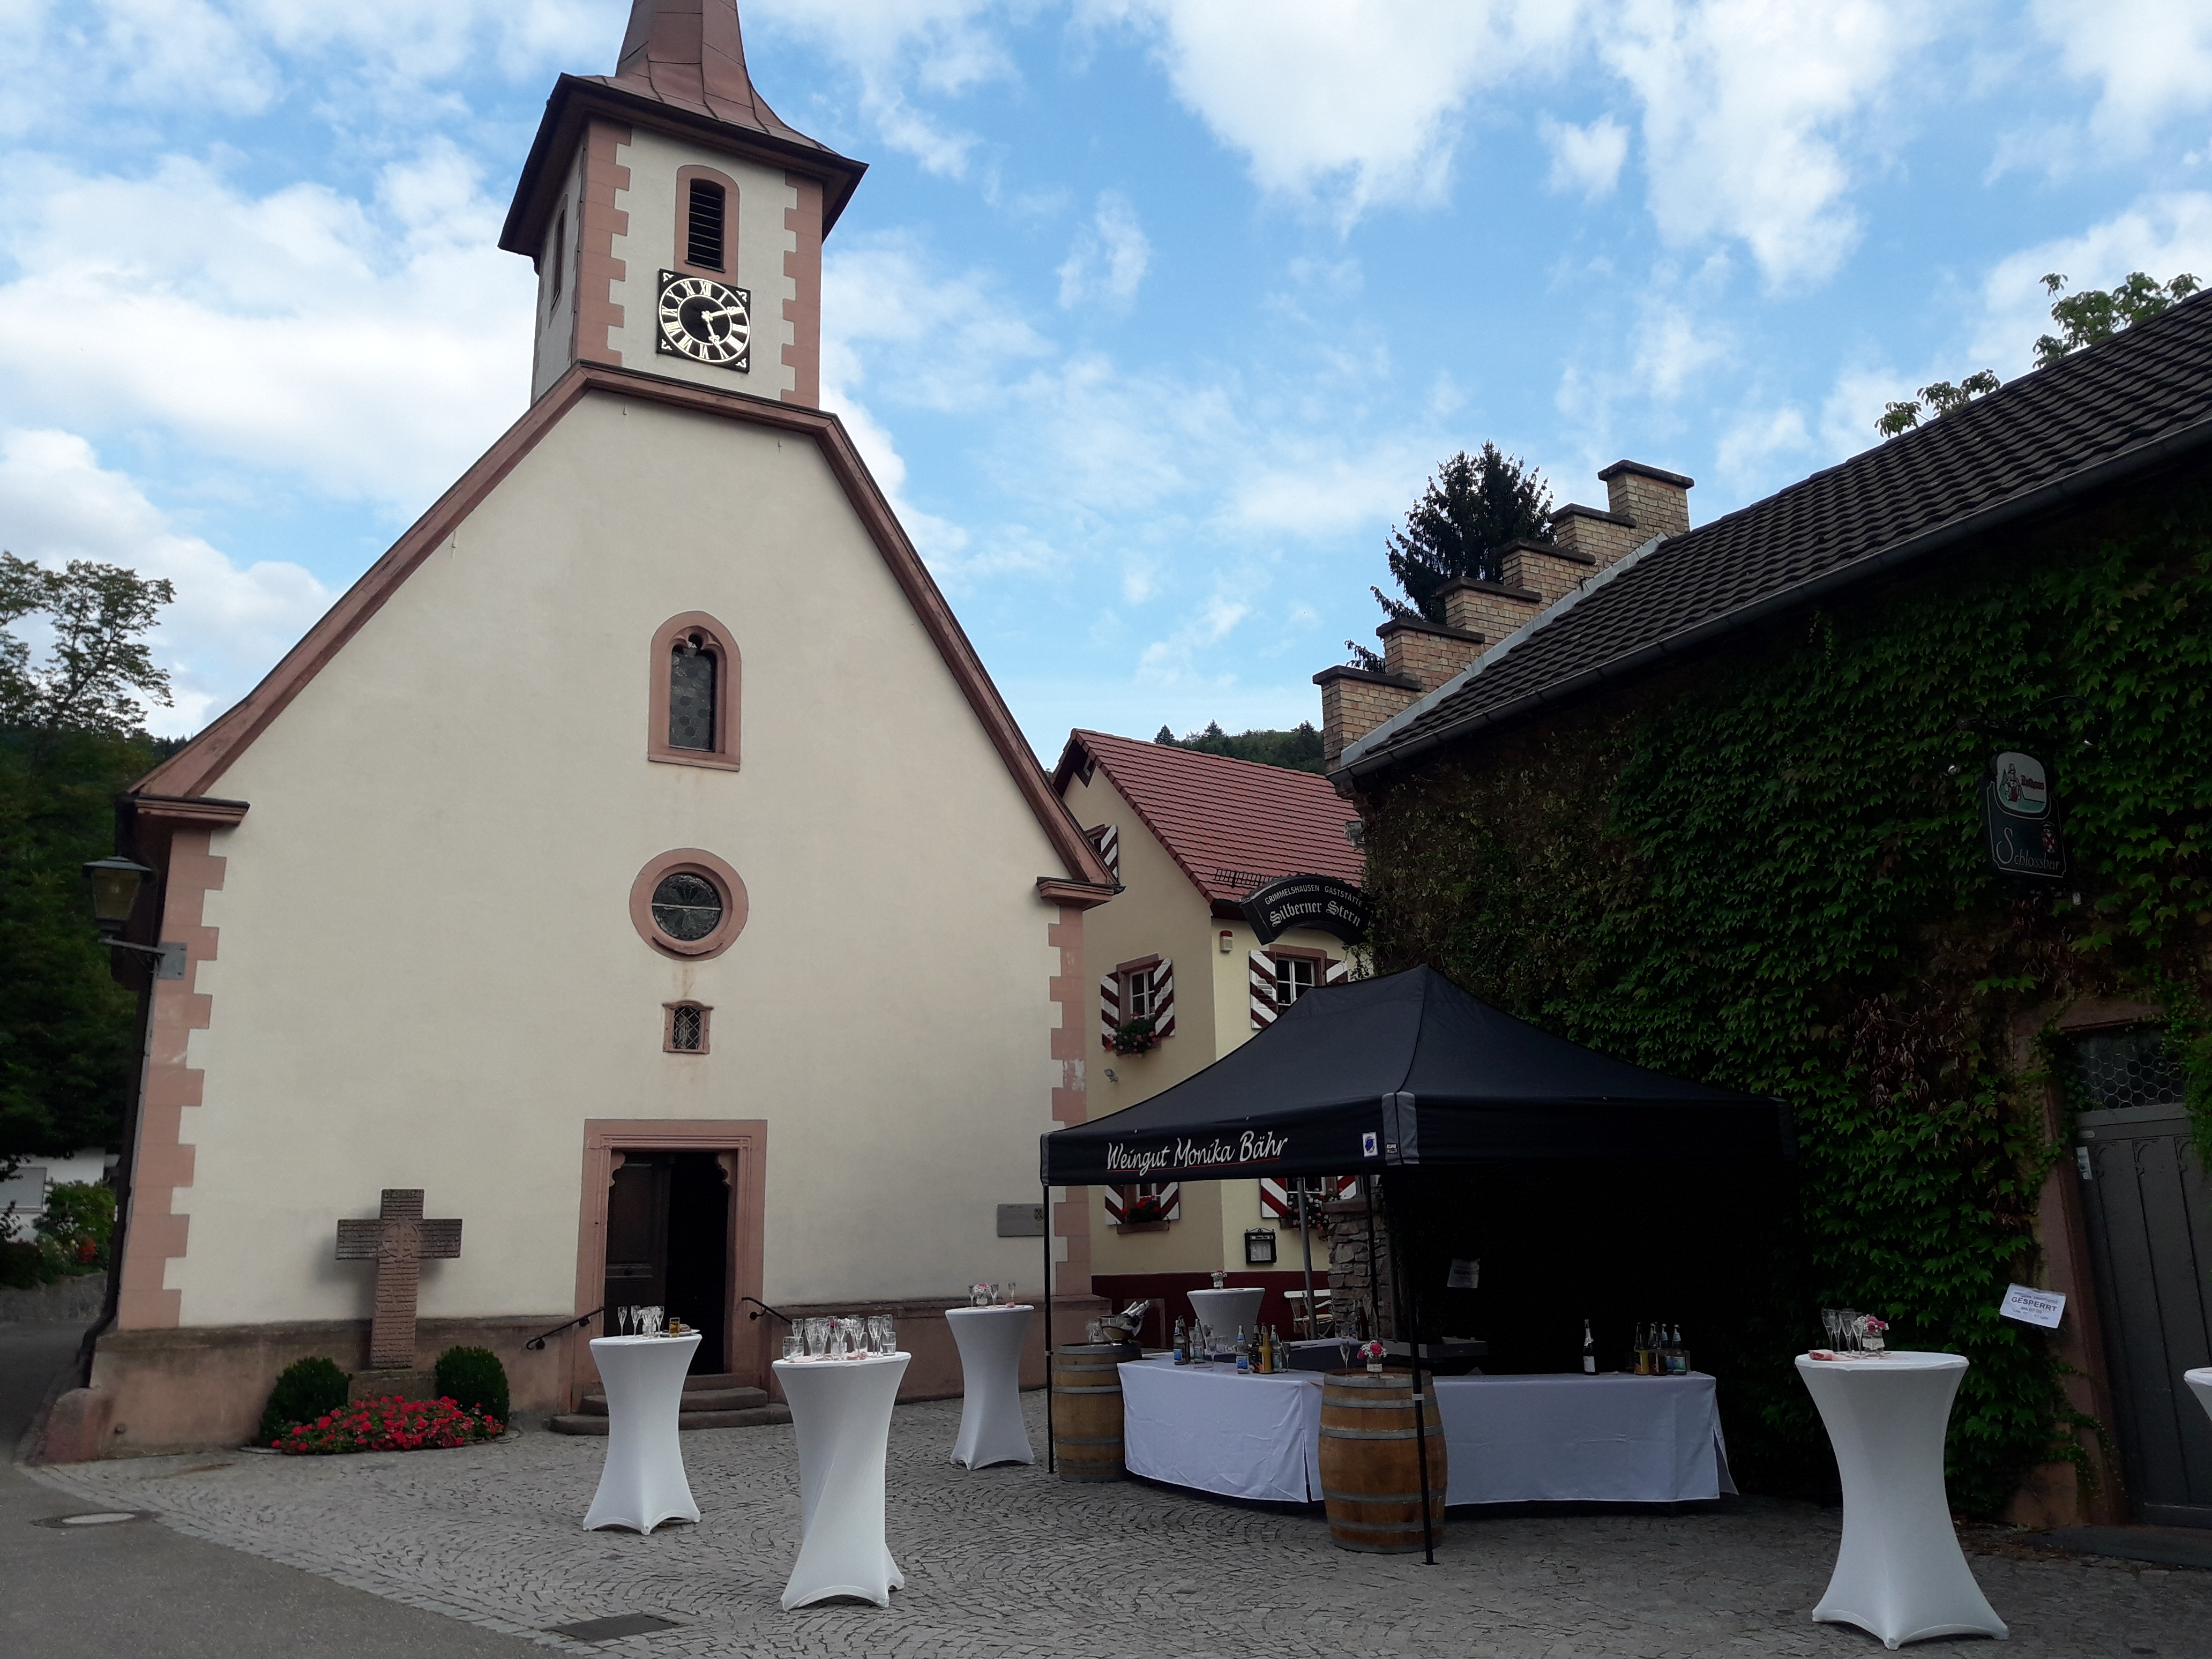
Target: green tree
(71, 736)
(1297, 749)
(2086, 319)
(1472, 507)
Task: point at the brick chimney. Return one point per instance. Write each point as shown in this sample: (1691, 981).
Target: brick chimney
(1641, 501)
(1417, 657)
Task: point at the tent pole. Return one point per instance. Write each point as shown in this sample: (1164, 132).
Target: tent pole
(1405, 1306)
(1305, 1243)
(1051, 1447)
(1369, 1184)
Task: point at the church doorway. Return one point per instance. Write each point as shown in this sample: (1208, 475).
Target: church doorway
(671, 1217)
(668, 1244)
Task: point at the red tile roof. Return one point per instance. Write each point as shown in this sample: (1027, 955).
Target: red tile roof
(1233, 825)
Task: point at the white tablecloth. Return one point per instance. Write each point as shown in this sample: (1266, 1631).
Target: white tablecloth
(842, 1411)
(641, 1484)
(1582, 1439)
(991, 1426)
(1899, 1572)
(2200, 1384)
(1510, 1439)
(1207, 1427)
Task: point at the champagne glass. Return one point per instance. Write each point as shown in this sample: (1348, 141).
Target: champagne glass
(1008, 1287)
(795, 1345)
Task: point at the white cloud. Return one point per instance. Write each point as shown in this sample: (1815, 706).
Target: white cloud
(1585, 161)
(1750, 107)
(1109, 257)
(1671, 347)
(374, 349)
(944, 47)
(1357, 102)
(2152, 57)
(1175, 661)
(227, 627)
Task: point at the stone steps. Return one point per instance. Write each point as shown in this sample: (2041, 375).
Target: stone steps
(712, 1400)
(749, 1418)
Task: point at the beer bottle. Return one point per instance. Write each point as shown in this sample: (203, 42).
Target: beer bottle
(1590, 1350)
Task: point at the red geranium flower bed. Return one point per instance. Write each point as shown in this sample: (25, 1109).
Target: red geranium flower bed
(390, 1425)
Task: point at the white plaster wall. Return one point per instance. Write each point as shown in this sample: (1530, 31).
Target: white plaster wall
(1161, 910)
(428, 974)
(555, 348)
(653, 159)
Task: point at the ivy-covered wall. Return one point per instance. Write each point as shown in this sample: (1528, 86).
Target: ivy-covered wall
(1763, 870)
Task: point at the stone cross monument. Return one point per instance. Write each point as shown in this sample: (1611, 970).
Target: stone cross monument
(397, 1241)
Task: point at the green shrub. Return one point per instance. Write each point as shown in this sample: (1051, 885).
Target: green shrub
(22, 1266)
(79, 1221)
(307, 1389)
(473, 1379)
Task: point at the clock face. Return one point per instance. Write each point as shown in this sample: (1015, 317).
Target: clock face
(707, 321)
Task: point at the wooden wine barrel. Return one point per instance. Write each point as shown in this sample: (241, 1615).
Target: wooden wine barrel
(1086, 1409)
(1371, 1479)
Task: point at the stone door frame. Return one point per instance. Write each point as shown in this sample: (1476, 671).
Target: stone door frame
(741, 1145)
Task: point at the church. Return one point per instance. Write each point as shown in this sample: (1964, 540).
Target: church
(637, 861)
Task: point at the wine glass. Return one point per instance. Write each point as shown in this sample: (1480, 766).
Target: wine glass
(656, 1317)
(1008, 1288)
(1847, 1323)
(794, 1345)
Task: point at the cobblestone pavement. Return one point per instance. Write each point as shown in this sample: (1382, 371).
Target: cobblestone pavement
(1010, 1561)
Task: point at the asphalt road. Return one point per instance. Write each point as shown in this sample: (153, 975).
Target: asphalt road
(141, 1590)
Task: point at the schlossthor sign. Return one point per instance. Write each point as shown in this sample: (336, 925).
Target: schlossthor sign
(1322, 902)
(2020, 816)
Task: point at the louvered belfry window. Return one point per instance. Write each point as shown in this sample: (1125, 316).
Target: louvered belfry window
(703, 232)
(691, 671)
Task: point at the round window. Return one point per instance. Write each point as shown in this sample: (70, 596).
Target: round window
(686, 906)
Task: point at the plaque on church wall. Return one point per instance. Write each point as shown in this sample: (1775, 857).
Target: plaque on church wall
(1021, 1221)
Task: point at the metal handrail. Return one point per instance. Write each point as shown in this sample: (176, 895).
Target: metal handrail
(764, 1309)
(538, 1342)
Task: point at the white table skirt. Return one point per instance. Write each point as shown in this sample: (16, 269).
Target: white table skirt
(1207, 1427)
(990, 1339)
(1510, 1439)
(641, 1483)
(841, 1411)
(1582, 1439)
(1899, 1572)
(2200, 1384)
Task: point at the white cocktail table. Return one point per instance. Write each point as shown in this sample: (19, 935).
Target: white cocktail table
(841, 1410)
(1899, 1574)
(990, 1343)
(2200, 1384)
(1226, 1312)
(642, 1482)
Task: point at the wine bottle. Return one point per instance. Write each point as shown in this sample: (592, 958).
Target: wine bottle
(1590, 1350)
(1643, 1351)
(1243, 1354)
(1678, 1359)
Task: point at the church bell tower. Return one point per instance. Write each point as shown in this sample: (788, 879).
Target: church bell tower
(675, 220)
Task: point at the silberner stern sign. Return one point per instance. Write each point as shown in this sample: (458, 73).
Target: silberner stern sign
(1322, 903)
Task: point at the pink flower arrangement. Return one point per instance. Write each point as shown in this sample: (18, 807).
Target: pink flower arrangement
(389, 1424)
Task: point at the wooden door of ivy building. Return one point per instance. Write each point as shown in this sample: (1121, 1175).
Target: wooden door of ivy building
(2149, 1212)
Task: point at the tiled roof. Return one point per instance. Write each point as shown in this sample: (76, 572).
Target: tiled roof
(1231, 824)
(2089, 419)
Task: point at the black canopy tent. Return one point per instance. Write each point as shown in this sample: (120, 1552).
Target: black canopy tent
(1400, 1071)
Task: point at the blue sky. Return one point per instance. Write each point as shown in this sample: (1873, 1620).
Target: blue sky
(1151, 315)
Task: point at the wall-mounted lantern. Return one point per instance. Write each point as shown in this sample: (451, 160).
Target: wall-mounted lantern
(115, 884)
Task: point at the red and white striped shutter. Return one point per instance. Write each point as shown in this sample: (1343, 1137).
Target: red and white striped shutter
(1171, 1193)
(1110, 1008)
(1262, 977)
(1163, 999)
(1276, 1203)
(1119, 1199)
(1336, 973)
(1107, 840)
(1347, 1186)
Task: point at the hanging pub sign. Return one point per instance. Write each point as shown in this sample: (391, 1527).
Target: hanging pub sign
(1322, 902)
(2020, 817)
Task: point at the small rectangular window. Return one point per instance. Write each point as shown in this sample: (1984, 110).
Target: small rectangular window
(1294, 977)
(686, 1030)
(1141, 994)
(703, 237)
(559, 251)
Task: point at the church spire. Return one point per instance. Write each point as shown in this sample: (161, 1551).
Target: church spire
(692, 54)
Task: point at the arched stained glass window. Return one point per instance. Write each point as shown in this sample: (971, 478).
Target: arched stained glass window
(691, 671)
